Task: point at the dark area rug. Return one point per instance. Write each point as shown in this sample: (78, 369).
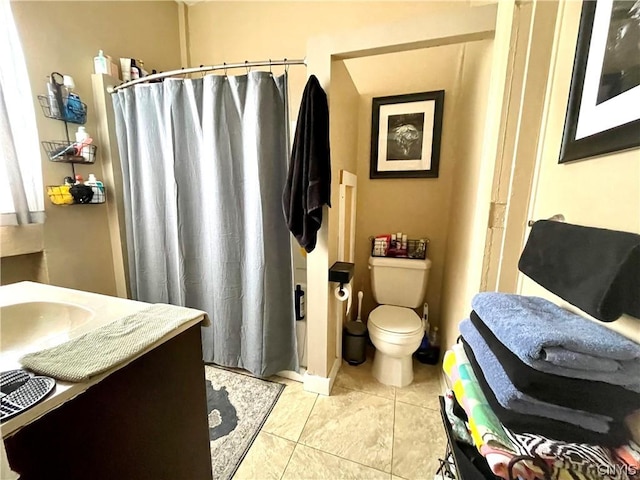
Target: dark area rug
(238, 406)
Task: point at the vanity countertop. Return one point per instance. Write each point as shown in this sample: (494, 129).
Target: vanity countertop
(102, 310)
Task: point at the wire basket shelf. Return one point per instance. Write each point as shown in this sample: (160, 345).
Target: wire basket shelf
(69, 152)
(415, 248)
(63, 195)
(73, 112)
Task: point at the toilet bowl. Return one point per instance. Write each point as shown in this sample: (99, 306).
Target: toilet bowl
(398, 285)
(396, 332)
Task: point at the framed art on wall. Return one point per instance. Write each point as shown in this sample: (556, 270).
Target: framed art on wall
(603, 114)
(405, 135)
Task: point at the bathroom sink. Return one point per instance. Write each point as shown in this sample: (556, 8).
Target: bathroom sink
(41, 324)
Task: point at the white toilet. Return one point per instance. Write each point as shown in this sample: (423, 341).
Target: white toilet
(398, 285)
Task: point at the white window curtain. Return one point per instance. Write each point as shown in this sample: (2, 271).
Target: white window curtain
(21, 188)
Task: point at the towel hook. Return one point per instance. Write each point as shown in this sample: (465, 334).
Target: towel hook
(558, 217)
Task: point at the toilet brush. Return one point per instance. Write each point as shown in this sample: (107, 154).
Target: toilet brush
(360, 295)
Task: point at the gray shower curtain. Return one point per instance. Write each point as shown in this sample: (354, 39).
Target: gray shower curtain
(204, 163)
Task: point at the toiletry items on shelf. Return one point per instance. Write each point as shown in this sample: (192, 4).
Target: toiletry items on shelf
(77, 192)
(398, 245)
(132, 69)
(53, 100)
(74, 110)
(103, 64)
(98, 189)
(83, 144)
(100, 64)
(61, 102)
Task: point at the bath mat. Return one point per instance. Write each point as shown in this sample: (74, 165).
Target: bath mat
(238, 405)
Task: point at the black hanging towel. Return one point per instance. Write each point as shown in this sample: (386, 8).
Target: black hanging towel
(308, 185)
(595, 269)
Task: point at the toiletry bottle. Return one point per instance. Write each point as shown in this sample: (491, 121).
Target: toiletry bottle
(81, 137)
(433, 353)
(135, 71)
(73, 108)
(98, 189)
(54, 110)
(67, 89)
(299, 303)
(101, 64)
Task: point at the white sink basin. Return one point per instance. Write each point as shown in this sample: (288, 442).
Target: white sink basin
(44, 324)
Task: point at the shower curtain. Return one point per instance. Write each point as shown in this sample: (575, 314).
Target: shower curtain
(204, 163)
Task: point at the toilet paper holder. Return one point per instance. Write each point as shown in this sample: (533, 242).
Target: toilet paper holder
(341, 272)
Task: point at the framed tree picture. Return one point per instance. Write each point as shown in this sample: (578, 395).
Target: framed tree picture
(405, 135)
(603, 114)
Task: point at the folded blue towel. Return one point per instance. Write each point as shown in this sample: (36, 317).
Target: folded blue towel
(512, 399)
(554, 340)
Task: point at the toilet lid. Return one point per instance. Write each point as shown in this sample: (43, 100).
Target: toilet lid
(395, 319)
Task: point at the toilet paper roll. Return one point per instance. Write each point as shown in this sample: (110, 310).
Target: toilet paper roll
(343, 294)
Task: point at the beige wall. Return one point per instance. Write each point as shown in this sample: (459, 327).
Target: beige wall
(31, 267)
(343, 116)
(418, 207)
(470, 116)
(599, 192)
(237, 31)
(64, 37)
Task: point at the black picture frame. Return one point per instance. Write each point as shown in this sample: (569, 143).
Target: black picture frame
(406, 133)
(624, 136)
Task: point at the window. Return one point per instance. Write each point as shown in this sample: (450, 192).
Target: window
(21, 189)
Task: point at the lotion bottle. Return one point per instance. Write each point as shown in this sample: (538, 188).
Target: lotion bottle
(101, 64)
(81, 137)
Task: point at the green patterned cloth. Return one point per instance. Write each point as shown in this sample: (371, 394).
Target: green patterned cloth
(102, 349)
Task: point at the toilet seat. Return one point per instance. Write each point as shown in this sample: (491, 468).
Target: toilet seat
(397, 321)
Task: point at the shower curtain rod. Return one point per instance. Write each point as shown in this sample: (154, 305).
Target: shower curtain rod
(207, 68)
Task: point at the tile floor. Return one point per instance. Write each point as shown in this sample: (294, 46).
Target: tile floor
(364, 430)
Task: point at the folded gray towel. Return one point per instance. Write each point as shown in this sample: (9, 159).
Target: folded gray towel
(102, 349)
(554, 340)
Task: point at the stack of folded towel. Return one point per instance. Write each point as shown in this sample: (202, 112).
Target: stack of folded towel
(556, 383)
(532, 456)
(547, 370)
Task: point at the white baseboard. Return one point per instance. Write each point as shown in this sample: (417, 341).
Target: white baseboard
(291, 375)
(322, 385)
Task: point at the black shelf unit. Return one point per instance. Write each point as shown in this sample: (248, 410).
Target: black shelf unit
(469, 464)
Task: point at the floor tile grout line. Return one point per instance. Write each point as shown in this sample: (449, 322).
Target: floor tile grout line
(364, 391)
(289, 460)
(308, 417)
(421, 406)
(343, 458)
(393, 430)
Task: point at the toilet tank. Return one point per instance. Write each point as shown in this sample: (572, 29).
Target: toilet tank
(399, 281)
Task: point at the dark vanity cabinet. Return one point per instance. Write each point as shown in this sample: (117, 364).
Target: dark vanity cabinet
(145, 421)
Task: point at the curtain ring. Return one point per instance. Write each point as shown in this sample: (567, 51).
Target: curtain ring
(246, 62)
(225, 68)
(270, 67)
(202, 73)
(286, 66)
